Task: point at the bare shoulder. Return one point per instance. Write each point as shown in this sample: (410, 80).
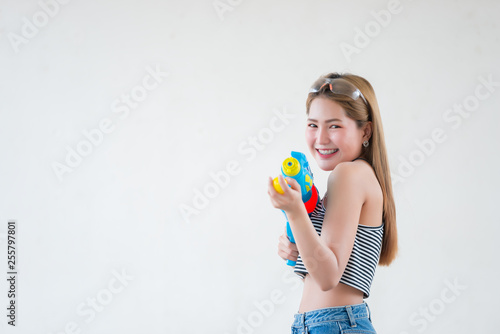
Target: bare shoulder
(358, 172)
(356, 177)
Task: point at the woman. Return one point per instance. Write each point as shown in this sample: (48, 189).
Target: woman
(354, 225)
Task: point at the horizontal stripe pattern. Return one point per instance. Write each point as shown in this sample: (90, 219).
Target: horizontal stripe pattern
(364, 258)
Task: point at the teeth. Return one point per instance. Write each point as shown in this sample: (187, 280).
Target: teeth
(328, 151)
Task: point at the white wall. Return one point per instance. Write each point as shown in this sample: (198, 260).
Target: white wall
(119, 209)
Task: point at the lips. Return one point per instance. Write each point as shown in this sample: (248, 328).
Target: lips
(327, 151)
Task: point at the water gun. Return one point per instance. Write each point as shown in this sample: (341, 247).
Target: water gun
(297, 167)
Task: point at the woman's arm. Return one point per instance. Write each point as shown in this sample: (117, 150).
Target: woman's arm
(326, 256)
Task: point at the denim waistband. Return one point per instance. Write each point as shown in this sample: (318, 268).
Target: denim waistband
(349, 313)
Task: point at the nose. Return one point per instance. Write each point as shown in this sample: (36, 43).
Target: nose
(322, 136)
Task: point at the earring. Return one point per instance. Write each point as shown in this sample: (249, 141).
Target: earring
(366, 143)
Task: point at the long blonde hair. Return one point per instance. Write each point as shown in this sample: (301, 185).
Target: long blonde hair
(375, 153)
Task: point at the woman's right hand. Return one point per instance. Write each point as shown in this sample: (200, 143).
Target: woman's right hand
(286, 249)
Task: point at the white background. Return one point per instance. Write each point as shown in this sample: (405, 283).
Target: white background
(229, 74)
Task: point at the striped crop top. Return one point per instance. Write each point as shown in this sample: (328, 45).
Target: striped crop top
(365, 254)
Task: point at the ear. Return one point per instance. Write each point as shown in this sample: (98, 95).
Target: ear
(367, 131)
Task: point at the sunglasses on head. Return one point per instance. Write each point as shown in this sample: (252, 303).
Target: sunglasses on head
(338, 86)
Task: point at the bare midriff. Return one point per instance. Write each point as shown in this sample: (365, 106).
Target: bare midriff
(314, 298)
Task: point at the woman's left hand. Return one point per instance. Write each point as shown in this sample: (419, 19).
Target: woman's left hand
(291, 199)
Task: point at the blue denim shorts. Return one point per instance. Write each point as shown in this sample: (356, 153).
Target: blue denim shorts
(331, 320)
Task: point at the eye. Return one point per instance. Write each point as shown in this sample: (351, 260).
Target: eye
(336, 127)
(311, 125)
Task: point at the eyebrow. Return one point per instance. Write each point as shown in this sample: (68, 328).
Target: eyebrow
(327, 121)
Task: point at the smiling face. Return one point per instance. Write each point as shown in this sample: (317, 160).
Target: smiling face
(331, 136)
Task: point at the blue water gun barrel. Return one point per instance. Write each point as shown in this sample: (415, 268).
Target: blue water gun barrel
(297, 167)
